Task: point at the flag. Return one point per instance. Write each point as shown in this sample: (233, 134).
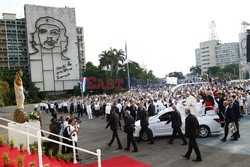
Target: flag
(83, 83)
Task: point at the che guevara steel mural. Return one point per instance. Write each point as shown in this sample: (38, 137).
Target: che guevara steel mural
(50, 37)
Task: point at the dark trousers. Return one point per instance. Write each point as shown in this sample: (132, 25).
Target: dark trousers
(193, 145)
(131, 139)
(115, 135)
(150, 135)
(226, 129)
(70, 150)
(64, 148)
(120, 115)
(108, 117)
(79, 114)
(134, 116)
(222, 120)
(237, 134)
(175, 131)
(97, 113)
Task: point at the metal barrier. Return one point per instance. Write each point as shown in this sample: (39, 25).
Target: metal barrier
(40, 138)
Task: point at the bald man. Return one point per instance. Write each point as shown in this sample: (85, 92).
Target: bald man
(229, 118)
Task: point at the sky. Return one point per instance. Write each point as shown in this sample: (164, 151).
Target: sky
(161, 35)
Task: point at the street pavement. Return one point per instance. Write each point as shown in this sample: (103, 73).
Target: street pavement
(92, 135)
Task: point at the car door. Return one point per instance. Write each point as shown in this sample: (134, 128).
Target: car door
(159, 126)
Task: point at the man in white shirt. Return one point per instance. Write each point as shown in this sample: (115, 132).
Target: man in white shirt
(107, 110)
(119, 106)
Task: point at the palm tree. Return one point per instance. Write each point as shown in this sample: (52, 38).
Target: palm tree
(192, 70)
(195, 70)
(118, 56)
(105, 61)
(111, 60)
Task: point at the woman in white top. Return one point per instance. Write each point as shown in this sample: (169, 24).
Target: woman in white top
(89, 110)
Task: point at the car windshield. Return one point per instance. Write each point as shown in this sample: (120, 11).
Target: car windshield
(160, 113)
(151, 117)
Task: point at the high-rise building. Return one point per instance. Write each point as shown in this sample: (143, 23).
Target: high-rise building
(227, 53)
(198, 56)
(13, 42)
(208, 57)
(212, 53)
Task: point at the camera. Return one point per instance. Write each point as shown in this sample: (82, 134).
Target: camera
(56, 121)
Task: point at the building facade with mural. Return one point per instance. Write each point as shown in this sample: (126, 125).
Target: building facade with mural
(47, 43)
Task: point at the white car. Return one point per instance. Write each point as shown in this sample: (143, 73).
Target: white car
(209, 123)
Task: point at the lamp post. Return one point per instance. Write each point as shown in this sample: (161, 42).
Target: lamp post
(80, 64)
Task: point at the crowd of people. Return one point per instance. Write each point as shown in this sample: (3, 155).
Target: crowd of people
(229, 100)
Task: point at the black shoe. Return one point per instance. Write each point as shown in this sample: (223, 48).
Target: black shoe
(238, 136)
(184, 156)
(223, 140)
(170, 142)
(135, 151)
(127, 149)
(78, 159)
(138, 141)
(197, 160)
(108, 144)
(151, 142)
(184, 144)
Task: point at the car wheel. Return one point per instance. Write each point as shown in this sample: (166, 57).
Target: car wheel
(204, 131)
(145, 136)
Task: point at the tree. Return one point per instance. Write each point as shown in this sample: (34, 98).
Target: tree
(195, 70)
(231, 68)
(4, 93)
(214, 71)
(105, 61)
(111, 61)
(117, 56)
(33, 93)
(179, 75)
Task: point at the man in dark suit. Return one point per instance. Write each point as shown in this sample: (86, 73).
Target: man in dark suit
(132, 110)
(176, 125)
(114, 123)
(221, 108)
(236, 110)
(229, 118)
(151, 109)
(143, 117)
(192, 132)
(129, 129)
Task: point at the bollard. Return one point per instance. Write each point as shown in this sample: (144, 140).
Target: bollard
(98, 151)
(27, 137)
(40, 154)
(74, 151)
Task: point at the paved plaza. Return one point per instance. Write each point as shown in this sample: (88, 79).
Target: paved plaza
(93, 135)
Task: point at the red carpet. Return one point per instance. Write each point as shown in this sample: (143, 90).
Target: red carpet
(121, 161)
(14, 153)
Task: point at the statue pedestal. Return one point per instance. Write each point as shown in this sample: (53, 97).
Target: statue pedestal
(19, 138)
